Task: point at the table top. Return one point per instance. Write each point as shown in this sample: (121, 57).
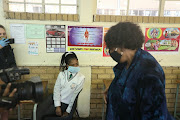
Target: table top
(26, 101)
(177, 81)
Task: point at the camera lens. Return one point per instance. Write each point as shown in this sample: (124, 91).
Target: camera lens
(29, 91)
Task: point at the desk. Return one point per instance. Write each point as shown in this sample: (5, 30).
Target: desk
(21, 103)
(105, 87)
(177, 92)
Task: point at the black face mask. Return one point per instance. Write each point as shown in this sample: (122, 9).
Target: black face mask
(115, 56)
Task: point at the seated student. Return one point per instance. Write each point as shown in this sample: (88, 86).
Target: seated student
(68, 84)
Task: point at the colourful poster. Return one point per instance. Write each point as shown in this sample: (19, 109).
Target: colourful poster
(162, 39)
(85, 39)
(105, 49)
(55, 38)
(33, 48)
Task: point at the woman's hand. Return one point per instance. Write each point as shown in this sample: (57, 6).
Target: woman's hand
(58, 111)
(105, 95)
(3, 42)
(65, 114)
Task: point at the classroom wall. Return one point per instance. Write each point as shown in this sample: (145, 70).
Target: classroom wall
(88, 62)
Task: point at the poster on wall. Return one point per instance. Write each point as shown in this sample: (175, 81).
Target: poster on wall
(105, 49)
(162, 39)
(55, 38)
(17, 32)
(85, 39)
(32, 48)
(34, 31)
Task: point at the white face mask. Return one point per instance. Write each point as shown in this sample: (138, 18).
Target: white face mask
(73, 69)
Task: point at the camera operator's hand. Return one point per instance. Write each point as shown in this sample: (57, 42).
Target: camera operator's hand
(58, 111)
(6, 93)
(3, 42)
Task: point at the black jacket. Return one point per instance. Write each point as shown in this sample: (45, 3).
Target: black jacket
(7, 59)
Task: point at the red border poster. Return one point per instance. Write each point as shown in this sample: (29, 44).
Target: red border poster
(162, 39)
(105, 49)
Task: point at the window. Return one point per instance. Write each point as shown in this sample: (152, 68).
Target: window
(113, 7)
(43, 6)
(172, 8)
(139, 7)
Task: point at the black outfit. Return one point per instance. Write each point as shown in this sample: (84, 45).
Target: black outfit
(7, 59)
(46, 108)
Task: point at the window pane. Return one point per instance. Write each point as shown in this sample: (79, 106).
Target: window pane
(16, 7)
(68, 9)
(34, 1)
(52, 1)
(144, 7)
(51, 9)
(16, 0)
(34, 8)
(113, 7)
(172, 8)
(68, 1)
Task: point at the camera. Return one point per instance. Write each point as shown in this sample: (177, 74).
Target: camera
(10, 40)
(28, 90)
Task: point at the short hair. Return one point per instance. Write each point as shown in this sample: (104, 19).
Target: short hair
(124, 35)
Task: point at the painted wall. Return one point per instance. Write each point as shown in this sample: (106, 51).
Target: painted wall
(86, 10)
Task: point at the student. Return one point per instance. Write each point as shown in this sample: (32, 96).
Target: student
(68, 84)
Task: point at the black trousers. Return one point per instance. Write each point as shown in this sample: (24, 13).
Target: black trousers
(46, 108)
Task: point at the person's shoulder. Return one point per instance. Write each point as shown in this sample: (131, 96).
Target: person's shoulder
(146, 60)
(81, 75)
(63, 72)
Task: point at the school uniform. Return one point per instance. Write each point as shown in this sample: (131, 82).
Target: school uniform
(67, 87)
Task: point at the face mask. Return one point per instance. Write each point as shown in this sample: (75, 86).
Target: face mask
(115, 56)
(73, 69)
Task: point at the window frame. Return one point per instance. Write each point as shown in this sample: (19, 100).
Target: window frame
(139, 19)
(40, 16)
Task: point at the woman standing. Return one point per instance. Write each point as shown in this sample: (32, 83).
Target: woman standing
(138, 89)
(7, 59)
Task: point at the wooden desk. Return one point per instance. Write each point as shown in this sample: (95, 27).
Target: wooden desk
(21, 103)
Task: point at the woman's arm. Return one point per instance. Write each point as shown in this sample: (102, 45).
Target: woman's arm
(57, 89)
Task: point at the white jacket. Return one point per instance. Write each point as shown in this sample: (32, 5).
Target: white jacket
(66, 91)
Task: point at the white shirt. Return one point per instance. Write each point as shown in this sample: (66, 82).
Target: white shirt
(66, 90)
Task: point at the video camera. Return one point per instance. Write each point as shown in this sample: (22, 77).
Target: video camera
(28, 90)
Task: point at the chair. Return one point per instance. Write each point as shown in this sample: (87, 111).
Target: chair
(175, 107)
(37, 113)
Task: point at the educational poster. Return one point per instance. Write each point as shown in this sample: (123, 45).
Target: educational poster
(55, 38)
(17, 32)
(162, 39)
(32, 48)
(34, 31)
(85, 39)
(105, 49)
